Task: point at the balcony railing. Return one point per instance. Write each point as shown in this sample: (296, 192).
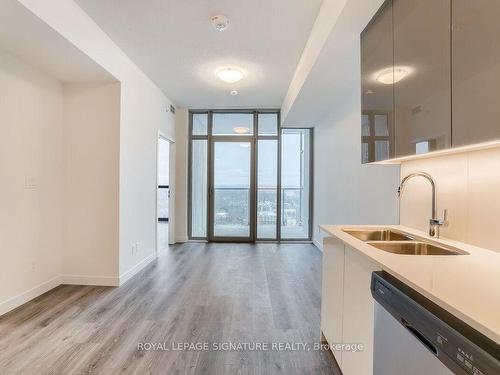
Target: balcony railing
(232, 205)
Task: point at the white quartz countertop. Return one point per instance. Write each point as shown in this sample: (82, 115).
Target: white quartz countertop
(468, 286)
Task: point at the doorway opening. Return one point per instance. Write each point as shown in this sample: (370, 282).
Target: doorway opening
(249, 179)
(163, 195)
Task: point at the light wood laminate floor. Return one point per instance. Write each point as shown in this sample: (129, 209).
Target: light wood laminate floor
(194, 293)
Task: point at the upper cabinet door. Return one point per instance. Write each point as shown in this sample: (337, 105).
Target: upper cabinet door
(422, 76)
(476, 71)
(377, 100)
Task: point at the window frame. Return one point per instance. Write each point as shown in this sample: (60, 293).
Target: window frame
(372, 138)
(255, 138)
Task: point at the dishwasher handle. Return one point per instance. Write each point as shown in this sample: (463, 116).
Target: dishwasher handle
(428, 344)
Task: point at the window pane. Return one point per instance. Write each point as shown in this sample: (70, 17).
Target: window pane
(232, 171)
(422, 147)
(295, 158)
(232, 124)
(200, 124)
(199, 189)
(381, 126)
(365, 125)
(163, 161)
(381, 150)
(163, 203)
(364, 153)
(268, 123)
(267, 182)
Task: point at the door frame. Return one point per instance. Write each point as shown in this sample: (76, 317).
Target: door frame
(253, 183)
(171, 158)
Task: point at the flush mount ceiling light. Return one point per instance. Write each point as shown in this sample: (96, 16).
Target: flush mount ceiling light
(241, 130)
(220, 22)
(392, 75)
(234, 92)
(229, 75)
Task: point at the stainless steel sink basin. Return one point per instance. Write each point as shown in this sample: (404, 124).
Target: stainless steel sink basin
(415, 248)
(378, 235)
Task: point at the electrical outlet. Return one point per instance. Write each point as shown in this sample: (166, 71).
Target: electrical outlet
(30, 183)
(135, 247)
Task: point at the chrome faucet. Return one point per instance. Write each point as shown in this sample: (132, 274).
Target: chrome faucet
(434, 223)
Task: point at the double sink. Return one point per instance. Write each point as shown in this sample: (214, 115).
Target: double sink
(398, 242)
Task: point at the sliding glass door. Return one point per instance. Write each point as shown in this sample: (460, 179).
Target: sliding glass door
(249, 179)
(231, 191)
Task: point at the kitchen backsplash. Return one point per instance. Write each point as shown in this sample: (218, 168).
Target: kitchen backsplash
(468, 185)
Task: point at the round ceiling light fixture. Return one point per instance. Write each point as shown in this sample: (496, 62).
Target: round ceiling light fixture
(392, 75)
(229, 75)
(220, 22)
(241, 130)
(234, 92)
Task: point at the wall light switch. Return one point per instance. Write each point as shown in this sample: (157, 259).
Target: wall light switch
(30, 182)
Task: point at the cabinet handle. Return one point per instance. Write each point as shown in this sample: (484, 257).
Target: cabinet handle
(419, 336)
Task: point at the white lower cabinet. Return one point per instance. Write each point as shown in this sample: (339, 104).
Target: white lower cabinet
(347, 309)
(332, 293)
(358, 315)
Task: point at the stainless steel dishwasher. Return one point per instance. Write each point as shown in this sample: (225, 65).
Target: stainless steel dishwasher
(414, 336)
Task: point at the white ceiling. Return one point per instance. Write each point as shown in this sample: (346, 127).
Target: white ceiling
(335, 76)
(174, 43)
(24, 35)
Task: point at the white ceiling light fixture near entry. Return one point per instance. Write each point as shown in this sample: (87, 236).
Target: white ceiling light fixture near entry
(230, 75)
(220, 22)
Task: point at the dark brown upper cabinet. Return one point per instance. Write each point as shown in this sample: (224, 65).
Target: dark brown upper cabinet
(430, 77)
(476, 71)
(377, 100)
(422, 76)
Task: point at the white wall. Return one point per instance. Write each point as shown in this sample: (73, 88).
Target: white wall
(143, 112)
(31, 164)
(345, 191)
(468, 185)
(91, 176)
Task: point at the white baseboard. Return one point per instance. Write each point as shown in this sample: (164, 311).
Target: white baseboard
(318, 244)
(127, 275)
(27, 296)
(90, 280)
(44, 287)
(181, 239)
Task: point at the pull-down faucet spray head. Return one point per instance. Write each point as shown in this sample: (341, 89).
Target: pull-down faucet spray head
(400, 191)
(434, 222)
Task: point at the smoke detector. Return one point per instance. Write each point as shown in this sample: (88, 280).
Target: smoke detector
(220, 22)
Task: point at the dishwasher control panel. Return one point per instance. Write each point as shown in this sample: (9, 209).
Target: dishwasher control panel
(458, 346)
